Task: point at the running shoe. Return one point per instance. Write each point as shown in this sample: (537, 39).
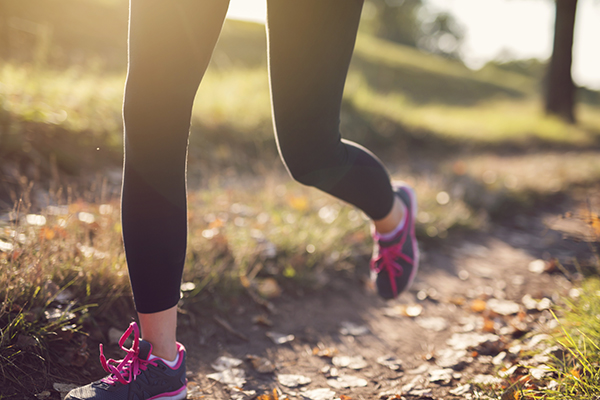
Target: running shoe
(137, 376)
(395, 262)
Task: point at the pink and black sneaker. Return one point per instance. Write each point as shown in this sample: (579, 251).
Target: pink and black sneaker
(138, 376)
(395, 261)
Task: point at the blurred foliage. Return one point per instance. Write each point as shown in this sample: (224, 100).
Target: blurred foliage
(412, 23)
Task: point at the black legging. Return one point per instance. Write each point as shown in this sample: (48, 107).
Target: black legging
(170, 45)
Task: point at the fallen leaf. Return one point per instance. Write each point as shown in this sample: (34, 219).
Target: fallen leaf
(326, 352)
(262, 319)
(488, 325)
(459, 300)
(261, 364)
(269, 396)
(268, 288)
(478, 306)
(299, 203)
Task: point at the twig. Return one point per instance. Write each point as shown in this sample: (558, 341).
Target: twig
(228, 328)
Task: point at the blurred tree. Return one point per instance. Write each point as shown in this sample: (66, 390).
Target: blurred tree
(395, 20)
(441, 34)
(411, 23)
(560, 90)
(4, 53)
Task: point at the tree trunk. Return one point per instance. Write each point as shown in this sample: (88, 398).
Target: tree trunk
(4, 43)
(560, 95)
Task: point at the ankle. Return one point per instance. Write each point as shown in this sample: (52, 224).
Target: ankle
(393, 221)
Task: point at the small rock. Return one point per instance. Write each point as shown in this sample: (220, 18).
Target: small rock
(461, 390)
(464, 341)
(223, 363)
(280, 338)
(540, 372)
(64, 388)
(487, 380)
(346, 381)
(403, 310)
(292, 381)
(43, 395)
(436, 324)
(356, 362)
(234, 377)
(392, 362)
(352, 329)
(537, 266)
(441, 376)
(318, 394)
(450, 358)
(242, 394)
(497, 360)
(503, 307)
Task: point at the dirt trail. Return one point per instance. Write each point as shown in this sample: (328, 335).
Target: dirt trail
(492, 266)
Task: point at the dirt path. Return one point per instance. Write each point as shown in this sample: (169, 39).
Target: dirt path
(446, 343)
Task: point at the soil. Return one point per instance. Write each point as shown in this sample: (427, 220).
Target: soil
(453, 274)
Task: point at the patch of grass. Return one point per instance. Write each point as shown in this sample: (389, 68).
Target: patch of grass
(576, 372)
(80, 100)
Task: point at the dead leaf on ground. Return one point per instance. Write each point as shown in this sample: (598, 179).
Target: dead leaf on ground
(261, 364)
(478, 305)
(262, 319)
(274, 395)
(325, 352)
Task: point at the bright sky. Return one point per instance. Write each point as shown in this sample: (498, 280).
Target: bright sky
(514, 28)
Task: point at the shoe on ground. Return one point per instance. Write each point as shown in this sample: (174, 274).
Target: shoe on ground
(136, 377)
(395, 262)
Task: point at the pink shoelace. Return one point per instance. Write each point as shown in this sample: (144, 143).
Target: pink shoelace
(387, 261)
(127, 369)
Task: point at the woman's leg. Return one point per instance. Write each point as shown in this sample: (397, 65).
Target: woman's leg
(310, 47)
(170, 45)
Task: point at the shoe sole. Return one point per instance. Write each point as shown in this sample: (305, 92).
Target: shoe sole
(399, 185)
(178, 395)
